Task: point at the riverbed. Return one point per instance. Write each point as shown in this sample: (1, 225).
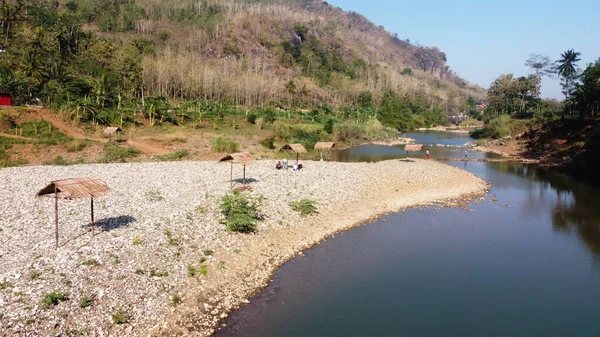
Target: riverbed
(523, 261)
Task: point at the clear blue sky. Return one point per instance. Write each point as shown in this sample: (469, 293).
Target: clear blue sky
(486, 38)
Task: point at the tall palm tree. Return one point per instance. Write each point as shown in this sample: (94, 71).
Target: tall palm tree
(568, 70)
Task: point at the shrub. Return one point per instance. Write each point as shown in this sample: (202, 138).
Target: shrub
(259, 123)
(85, 302)
(154, 273)
(77, 145)
(347, 132)
(207, 252)
(51, 299)
(91, 263)
(498, 127)
(137, 240)
(220, 144)
(191, 270)
(120, 316)
(304, 206)
(328, 127)
(282, 131)
(306, 138)
(116, 154)
(373, 128)
(175, 300)
(203, 270)
(269, 143)
(240, 211)
(251, 118)
(173, 156)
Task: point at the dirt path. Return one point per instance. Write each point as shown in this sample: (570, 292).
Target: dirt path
(75, 132)
(148, 148)
(64, 127)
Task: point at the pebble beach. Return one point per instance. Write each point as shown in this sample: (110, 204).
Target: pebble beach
(160, 261)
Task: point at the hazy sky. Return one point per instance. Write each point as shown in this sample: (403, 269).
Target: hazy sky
(486, 38)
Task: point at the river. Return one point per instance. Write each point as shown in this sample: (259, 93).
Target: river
(525, 261)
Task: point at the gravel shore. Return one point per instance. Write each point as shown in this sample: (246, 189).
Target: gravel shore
(161, 223)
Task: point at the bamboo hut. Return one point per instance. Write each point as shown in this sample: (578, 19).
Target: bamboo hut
(74, 188)
(111, 131)
(243, 158)
(413, 148)
(298, 148)
(324, 146)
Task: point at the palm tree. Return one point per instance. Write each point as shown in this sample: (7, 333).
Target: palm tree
(568, 70)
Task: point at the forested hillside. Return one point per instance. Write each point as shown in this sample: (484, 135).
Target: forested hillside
(95, 57)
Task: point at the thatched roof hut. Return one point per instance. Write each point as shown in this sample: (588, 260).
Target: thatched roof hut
(298, 148)
(72, 189)
(324, 145)
(111, 131)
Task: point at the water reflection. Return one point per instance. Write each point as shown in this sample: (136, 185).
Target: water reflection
(575, 205)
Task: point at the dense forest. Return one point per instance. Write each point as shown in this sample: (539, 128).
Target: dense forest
(183, 61)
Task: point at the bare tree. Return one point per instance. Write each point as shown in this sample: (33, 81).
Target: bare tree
(542, 66)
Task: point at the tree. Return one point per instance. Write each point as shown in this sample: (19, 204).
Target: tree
(541, 66)
(587, 94)
(508, 94)
(567, 69)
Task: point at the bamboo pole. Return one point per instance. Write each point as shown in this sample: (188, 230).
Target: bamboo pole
(244, 181)
(231, 177)
(92, 209)
(56, 215)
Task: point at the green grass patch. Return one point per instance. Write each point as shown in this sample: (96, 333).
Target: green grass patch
(116, 154)
(304, 206)
(120, 316)
(173, 156)
(77, 145)
(60, 161)
(220, 144)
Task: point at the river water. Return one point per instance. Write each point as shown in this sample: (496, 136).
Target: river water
(523, 262)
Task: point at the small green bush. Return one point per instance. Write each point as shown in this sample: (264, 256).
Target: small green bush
(91, 263)
(178, 155)
(328, 127)
(51, 299)
(191, 270)
(220, 144)
(116, 154)
(120, 316)
(347, 132)
(155, 273)
(373, 128)
(175, 300)
(77, 145)
(85, 302)
(207, 252)
(240, 211)
(304, 206)
(282, 131)
(268, 143)
(203, 270)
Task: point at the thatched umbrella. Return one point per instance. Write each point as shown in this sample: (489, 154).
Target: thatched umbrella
(243, 158)
(111, 130)
(324, 146)
(298, 148)
(413, 147)
(72, 189)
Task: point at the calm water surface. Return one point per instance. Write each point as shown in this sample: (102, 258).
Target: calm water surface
(527, 264)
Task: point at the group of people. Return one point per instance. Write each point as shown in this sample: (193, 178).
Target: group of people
(284, 165)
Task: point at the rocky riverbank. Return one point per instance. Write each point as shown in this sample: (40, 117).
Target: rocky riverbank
(160, 261)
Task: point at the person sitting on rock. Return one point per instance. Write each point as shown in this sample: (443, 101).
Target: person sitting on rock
(278, 165)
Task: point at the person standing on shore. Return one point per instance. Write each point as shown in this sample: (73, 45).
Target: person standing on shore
(466, 154)
(427, 154)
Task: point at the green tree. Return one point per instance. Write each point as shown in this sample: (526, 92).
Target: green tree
(567, 69)
(587, 94)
